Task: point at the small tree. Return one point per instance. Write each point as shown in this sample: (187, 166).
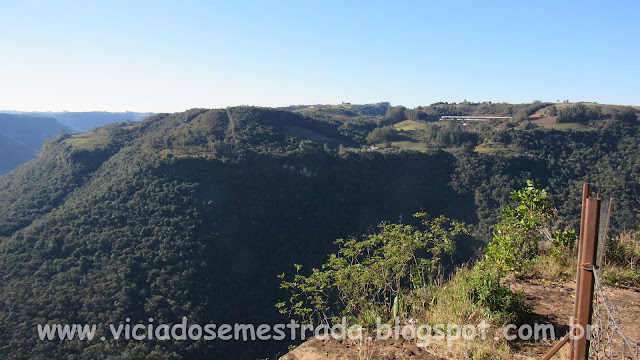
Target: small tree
(383, 134)
(372, 272)
(516, 237)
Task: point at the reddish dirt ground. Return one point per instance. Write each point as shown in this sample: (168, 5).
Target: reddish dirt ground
(546, 120)
(552, 303)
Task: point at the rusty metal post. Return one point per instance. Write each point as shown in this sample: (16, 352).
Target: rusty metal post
(584, 299)
(586, 192)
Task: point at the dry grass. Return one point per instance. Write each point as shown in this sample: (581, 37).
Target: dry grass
(364, 350)
(629, 243)
(450, 304)
(553, 268)
(92, 140)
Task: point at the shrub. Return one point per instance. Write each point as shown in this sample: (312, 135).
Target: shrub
(624, 251)
(516, 237)
(373, 271)
(616, 276)
(471, 295)
(485, 290)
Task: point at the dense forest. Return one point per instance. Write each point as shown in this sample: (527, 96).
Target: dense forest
(196, 213)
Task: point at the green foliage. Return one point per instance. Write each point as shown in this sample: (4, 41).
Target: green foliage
(181, 213)
(381, 135)
(579, 113)
(372, 271)
(516, 236)
(615, 276)
(562, 242)
(551, 111)
(370, 317)
(396, 306)
(394, 115)
(524, 112)
(622, 261)
(417, 114)
(447, 134)
(485, 290)
(469, 293)
(628, 115)
(358, 128)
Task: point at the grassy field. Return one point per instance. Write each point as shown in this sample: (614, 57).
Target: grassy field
(410, 125)
(410, 132)
(305, 134)
(410, 145)
(89, 140)
(566, 126)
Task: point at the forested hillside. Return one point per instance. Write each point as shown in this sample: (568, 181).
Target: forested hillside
(196, 213)
(21, 138)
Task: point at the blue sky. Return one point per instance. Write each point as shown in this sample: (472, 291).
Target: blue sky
(167, 56)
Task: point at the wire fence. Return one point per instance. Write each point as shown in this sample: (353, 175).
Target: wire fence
(619, 255)
(618, 266)
(608, 341)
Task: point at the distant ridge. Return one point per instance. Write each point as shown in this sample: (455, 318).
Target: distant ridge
(23, 136)
(14, 153)
(31, 129)
(86, 120)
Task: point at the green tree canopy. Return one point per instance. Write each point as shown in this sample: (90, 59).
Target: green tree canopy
(383, 134)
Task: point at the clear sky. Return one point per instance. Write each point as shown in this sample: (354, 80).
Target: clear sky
(167, 56)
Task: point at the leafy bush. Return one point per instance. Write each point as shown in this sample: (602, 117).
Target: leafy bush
(486, 291)
(616, 276)
(471, 295)
(516, 237)
(372, 271)
(562, 242)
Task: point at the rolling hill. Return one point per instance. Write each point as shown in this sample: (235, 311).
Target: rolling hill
(196, 213)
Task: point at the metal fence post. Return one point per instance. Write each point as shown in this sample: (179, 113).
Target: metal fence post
(586, 192)
(587, 265)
